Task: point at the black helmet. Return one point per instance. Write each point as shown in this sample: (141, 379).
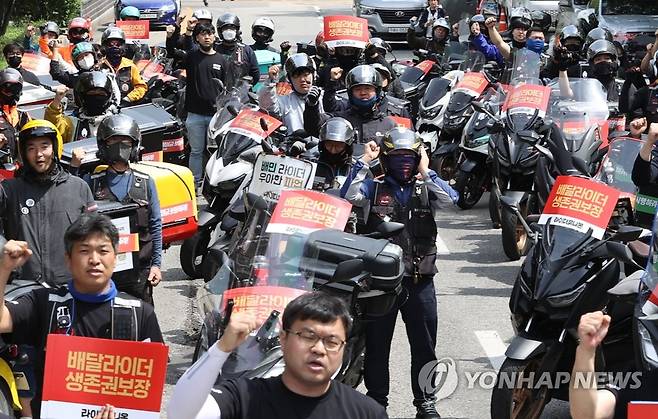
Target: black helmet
(596, 34)
(88, 81)
(119, 125)
(113, 32)
(363, 75)
(601, 47)
(520, 18)
(299, 62)
(264, 24)
(337, 129)
(50, 27)
(380, 45)
(383, 70)
(569, 32)
(400, 154)
(11, 86)
(228, 19)
(541, 19)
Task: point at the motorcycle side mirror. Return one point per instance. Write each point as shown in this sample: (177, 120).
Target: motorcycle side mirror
(256, 201)
(627, 233)
(232, 110)
(620, 251)
(580, 165)
(347, 270)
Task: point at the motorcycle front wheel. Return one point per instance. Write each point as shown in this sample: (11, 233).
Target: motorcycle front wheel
(470, 186)
(510, 399)
(192, 252)
(515, 238)
(445, 165)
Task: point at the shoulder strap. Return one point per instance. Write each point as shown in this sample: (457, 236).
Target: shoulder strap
(125, 325)
(61, 309)
(139, 189)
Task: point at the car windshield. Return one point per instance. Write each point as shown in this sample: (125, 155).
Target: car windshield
(629, 7)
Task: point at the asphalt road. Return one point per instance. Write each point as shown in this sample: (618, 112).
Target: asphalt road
(473, 284)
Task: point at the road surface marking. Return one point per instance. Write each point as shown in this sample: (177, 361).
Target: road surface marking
(441, 247)
(493, 346)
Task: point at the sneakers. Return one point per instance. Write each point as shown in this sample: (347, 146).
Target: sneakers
(426, 409)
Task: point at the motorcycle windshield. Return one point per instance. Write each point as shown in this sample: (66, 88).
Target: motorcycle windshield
(578, 108)
(473, 61)
(436, 89)
(264, 271)
(617, 166)
(411, 75)
(527, 99)
(233, 144)
(454, 54)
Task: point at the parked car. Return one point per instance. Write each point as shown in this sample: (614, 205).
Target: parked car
(388, 19)
(159, 13)
(625, 19)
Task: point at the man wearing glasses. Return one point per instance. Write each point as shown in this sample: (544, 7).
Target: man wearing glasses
(315, 328)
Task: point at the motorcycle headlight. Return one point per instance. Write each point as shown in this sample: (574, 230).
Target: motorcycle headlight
(477, 142)
(431, 113)
(648, 348)
(566, 299)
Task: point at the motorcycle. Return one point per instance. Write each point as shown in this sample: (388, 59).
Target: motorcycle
(277, 267)
(473, 176)
(9, 167)
(572, 269)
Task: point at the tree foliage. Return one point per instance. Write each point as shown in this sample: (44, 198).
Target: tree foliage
(60, 11)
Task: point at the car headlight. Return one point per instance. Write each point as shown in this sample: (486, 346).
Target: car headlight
(366, 10)
(566, 299)
(168, 7)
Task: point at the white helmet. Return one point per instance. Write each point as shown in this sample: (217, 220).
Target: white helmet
(262, 29)
(202, 14)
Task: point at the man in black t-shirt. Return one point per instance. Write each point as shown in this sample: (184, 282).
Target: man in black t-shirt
(587, 401)
(315, 327)
(89, 305)
(202, 64)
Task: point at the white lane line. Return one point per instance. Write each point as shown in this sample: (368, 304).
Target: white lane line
(318, 12)
(493, 346)
(441, 247)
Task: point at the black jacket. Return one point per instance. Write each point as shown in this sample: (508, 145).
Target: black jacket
(39, 212)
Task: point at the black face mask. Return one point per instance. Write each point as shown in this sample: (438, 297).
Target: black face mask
(95, 105)
(118, 152)
(518, 45)
(14, 61)
(604, 71)
(334, 160)
(11, 94)
(114, 55)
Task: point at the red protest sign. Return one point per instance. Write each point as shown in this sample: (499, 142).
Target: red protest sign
(425, 66)
(580, 204)
(346, 31)
(83, 374)
(307, 211)
(283, 88)
(177, 212)
(575, 128)
(128, 243)
(38, 64)
(248, 123)
(642, 410)
(260, 300)
(134, 29)
(527, 98)
(401, 121)
(472, 84)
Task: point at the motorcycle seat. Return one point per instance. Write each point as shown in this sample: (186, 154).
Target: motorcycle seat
(640, 249)
(533, 218)
(628, 286)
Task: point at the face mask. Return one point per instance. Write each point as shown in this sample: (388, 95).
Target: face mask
(402, 168)
(518, 44)
(114, 55)
(86, 62)
(365, 105)
(229, 35)
(118, 152)
(15, 61)
(334, 159)
(95, 105)
(11, 96)
(604, 70)
(573, 47)
(535, 45)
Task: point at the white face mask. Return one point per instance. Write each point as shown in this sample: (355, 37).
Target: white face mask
(229, 34)
(86, 62)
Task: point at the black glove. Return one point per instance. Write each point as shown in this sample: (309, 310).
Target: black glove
(125, 102)
(564, 58)
(313, 96)
(285, 46)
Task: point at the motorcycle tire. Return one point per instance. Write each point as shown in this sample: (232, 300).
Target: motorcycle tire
(445, 166)
(192, 253)
(202, 344)
(494, 209)
(516, 402)
(515, 239)
(470, 186)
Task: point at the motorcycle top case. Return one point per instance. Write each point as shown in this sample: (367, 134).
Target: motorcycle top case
(382, 260)
(162, 137)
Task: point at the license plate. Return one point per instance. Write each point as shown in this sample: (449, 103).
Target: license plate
(397, 30)
(149, 15)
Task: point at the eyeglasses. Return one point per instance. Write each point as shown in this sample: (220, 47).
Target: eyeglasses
(331, 343)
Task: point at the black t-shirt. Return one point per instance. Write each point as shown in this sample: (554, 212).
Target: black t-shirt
(30, 314)
(647, 391)
(270, 398)
(200, 90)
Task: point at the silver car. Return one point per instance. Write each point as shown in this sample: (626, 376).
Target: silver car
(388, 19)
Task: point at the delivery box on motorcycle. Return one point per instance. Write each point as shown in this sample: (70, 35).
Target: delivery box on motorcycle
(162, 137)
(382, 261)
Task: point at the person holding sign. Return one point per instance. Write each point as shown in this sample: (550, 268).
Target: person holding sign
(401, 197)
(315, 328)
(88, 305)
(588, 402)
(136, 48)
